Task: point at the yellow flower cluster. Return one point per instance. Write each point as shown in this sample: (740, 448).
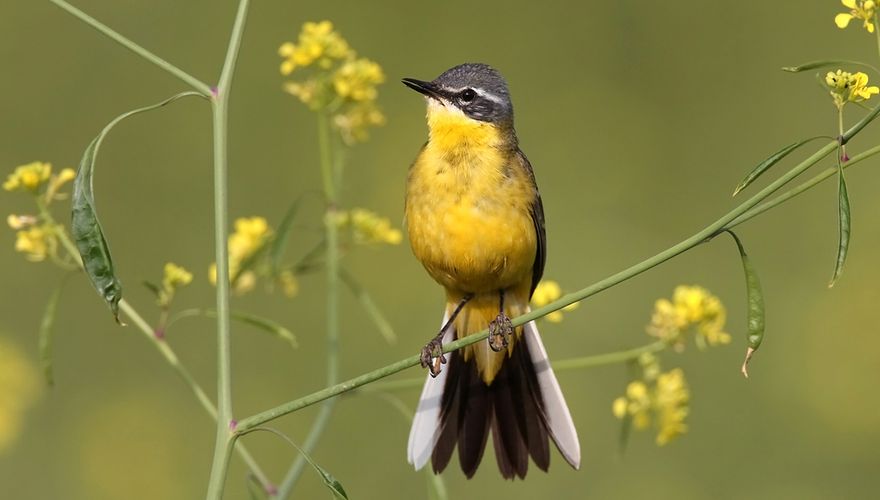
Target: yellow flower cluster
(36, 242)
(661, 399)
(34, 238)
(28, 177)
(849, 87)
(866, 10)
(357, 79)
(250, 235)
(368, 227)
(19, 389)
(342, 84)
(317, 44)
(546, 292)
(690, 306)
(174, 277)
(34, 175)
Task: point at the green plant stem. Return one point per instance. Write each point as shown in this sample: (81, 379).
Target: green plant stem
(331, 184)
(165, 350)
(763, 207)
(192, 81)
(702, 236)
(220, 107)
(877, 32)
(609, 358)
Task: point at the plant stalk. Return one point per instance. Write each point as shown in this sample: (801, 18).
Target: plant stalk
(700, 237)
(166, 351)
(190, 80)
(220, 108)
(330, 177)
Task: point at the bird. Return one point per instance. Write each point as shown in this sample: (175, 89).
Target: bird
(475, 221)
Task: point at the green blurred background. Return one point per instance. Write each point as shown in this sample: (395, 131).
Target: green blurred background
(639, 117)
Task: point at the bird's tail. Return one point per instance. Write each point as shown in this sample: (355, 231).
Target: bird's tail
(513, 394)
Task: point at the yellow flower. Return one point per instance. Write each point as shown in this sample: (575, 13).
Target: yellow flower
(849, 87)
(289, 284)
(858, 9)
(173, 278)
(28, 177)
(306, 91)
(369, 228)
(36, 242)
(671, 398)
(21, 221)
(342, 85)
(56, 182)
(546, 292)
(690, 306)
(317, 44)
(250, 235)
(19, 389)
(664, 404)
(356, 120)
(357, 80)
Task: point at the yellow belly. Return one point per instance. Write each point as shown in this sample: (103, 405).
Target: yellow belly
(468, 219)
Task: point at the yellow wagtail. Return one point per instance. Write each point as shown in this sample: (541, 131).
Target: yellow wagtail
(476, 222)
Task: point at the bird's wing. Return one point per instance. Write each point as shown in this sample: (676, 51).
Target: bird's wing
(536, 210)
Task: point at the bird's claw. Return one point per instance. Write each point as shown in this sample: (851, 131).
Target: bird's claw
(429, 360)
(500, 330)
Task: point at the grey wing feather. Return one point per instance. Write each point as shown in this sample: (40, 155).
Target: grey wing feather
(537, 212)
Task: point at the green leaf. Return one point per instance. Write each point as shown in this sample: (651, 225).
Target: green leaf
(45, 333)
(282, 235)
(755, 304)
(329, 481)
(265, 324)
(153, 288)
(259, 322)
(844, 224)
(369, 306)
(825, 64)
(769, 162)
(85, 226)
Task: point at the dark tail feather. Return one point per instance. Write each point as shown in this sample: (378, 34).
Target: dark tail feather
(512, 406)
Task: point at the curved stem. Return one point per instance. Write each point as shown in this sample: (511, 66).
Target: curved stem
(192, 81)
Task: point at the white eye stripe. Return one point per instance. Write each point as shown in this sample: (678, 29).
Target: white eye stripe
(480, 92)
(486, 95)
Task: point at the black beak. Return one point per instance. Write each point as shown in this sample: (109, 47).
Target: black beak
(426, 88)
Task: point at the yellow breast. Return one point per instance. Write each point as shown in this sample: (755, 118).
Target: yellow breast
(467, 206)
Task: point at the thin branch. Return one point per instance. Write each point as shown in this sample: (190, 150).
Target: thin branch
(192, 81)
(700, 237)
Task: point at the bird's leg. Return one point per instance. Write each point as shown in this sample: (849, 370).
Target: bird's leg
(428, 358)
(500, 328)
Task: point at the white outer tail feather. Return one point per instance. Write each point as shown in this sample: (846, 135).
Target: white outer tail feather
(559, 421)
(426, 429)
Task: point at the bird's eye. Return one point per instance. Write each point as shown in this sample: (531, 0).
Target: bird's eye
(467, 95)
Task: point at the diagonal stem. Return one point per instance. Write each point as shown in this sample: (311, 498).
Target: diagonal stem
(192, 81)
(166, 351)
(700, 237)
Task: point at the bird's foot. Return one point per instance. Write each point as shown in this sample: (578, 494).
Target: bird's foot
(500, 330)
(432, 356)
